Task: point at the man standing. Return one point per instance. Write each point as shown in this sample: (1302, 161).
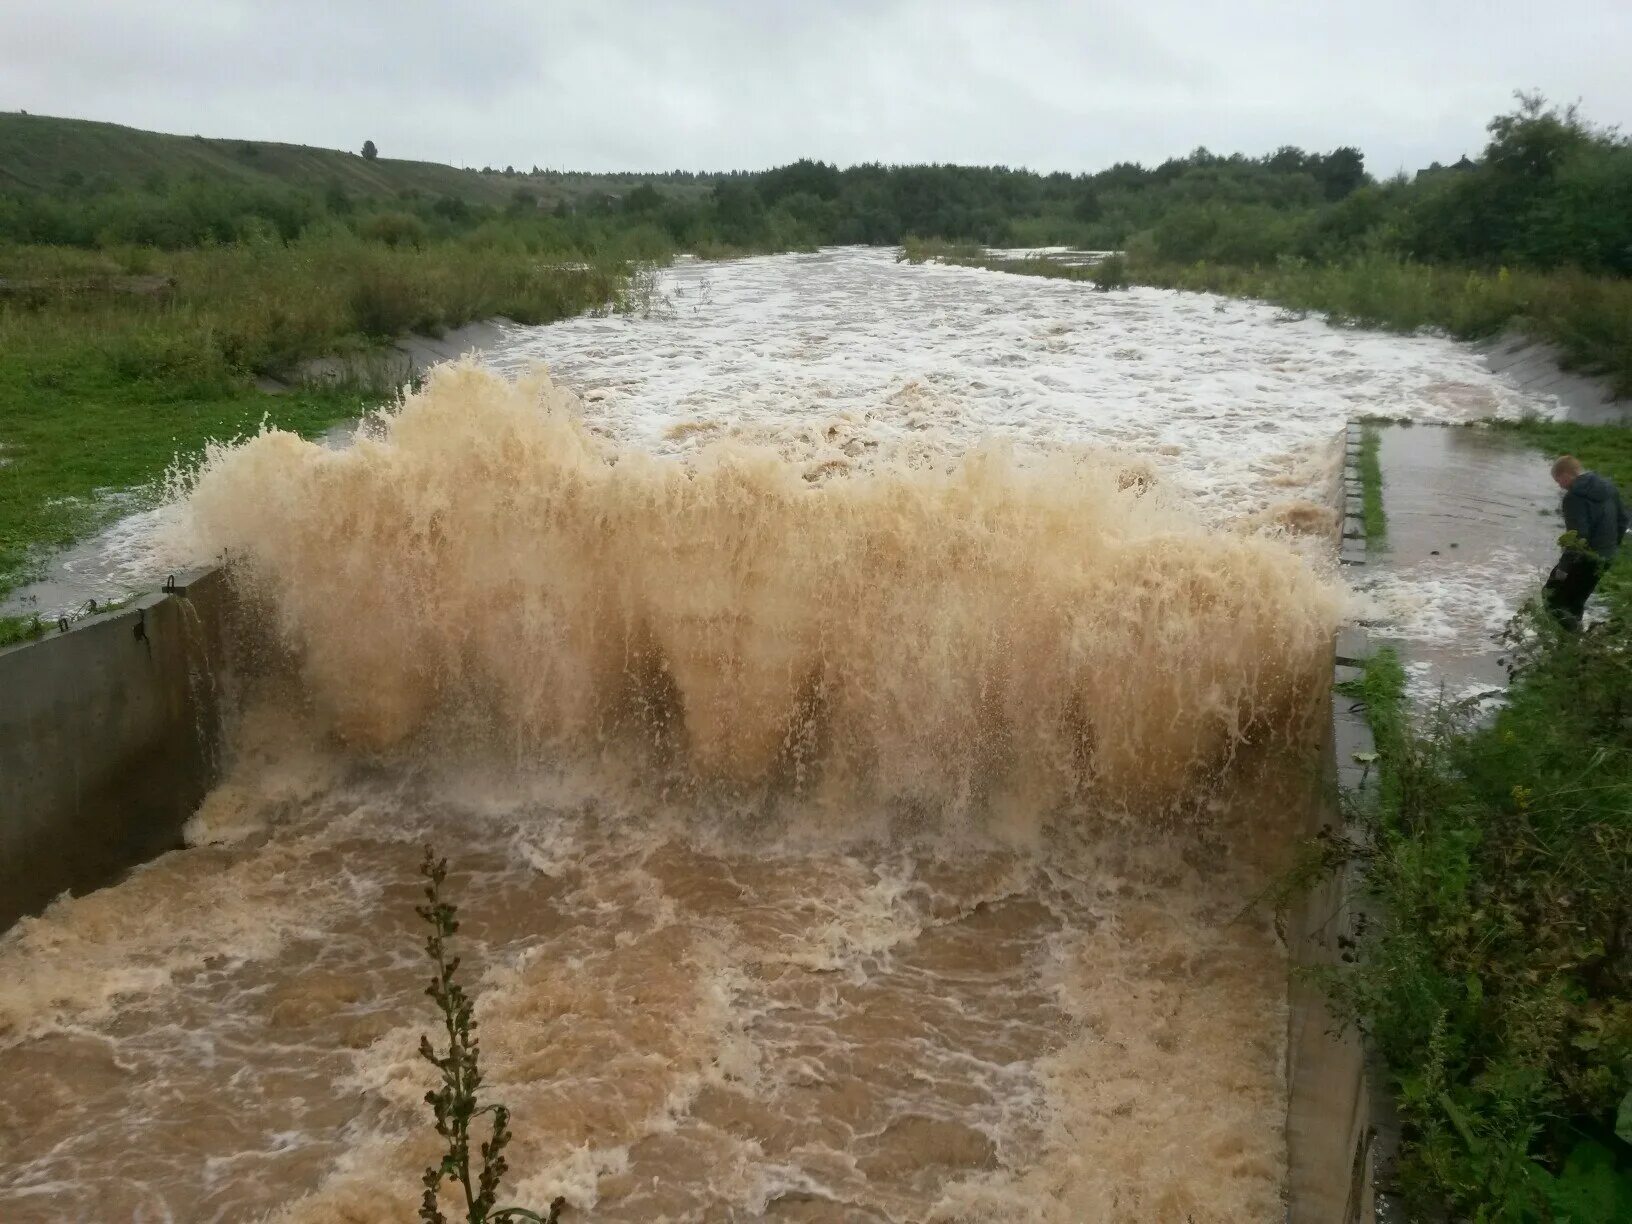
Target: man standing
(1596, 516)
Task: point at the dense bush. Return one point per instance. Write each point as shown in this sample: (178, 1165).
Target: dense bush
(1110, 273)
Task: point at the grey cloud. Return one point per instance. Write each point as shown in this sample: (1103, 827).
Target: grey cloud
(599, 84)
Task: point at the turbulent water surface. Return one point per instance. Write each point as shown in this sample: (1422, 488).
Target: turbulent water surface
(858, 724)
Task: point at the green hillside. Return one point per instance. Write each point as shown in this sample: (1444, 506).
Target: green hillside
(40, 153)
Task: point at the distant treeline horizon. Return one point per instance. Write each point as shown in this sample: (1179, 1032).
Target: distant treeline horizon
(1550, 190)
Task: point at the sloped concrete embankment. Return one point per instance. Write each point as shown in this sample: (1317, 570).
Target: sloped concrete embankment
(109, 740)
(1535, 366)
(110, 729)
(402, 361)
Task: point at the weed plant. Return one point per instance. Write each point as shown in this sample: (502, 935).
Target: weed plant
(455, 1103)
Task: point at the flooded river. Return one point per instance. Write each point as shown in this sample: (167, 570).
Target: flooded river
(859, 702)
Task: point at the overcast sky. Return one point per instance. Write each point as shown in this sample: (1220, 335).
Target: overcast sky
(716, 84)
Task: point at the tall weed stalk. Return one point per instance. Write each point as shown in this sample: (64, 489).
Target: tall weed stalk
(455, 1103)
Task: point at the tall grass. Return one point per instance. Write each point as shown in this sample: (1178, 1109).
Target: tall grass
(1371, 487)
(923, 250)
(100, 391)
(251, 309)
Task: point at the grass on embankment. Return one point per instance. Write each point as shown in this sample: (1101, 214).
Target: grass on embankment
(41, 152)
(1371, 487)
(1493, 978)
(99, 392)
(79, 430)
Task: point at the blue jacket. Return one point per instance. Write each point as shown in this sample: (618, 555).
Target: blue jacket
(1593, 509)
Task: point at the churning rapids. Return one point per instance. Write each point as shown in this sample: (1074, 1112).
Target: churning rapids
(855, 775)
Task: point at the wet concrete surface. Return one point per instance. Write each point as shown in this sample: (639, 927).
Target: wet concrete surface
(1473, 526)
(1535, 367)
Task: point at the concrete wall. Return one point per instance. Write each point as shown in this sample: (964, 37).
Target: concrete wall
(400, 362)
(109, 739)
(1339, 1127)
(1533, 365)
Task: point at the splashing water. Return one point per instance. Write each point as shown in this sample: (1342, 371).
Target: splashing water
(927, 634)
(816, 831)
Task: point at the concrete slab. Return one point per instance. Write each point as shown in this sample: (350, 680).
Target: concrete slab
(1352, 644)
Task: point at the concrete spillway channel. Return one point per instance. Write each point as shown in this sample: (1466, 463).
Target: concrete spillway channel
(109, 742)
(109, 738)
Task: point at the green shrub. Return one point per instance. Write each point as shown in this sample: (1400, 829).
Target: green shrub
(394, 229)
(1496, 975)
(923, 250)
(1111, 272)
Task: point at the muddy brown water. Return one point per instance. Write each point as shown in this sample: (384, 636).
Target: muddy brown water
(689, 1022)
(873, 847)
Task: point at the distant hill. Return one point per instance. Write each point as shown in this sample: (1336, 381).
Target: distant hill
(43, 153)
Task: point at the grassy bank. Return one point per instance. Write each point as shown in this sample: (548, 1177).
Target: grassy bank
(100, 390)
(42, 152)
(1495, 979)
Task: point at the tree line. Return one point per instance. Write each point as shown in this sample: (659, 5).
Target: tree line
(1549, 190)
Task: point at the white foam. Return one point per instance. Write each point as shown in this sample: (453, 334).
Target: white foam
(1224, 395)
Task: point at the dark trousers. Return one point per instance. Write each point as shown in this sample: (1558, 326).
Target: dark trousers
(1570, 585)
